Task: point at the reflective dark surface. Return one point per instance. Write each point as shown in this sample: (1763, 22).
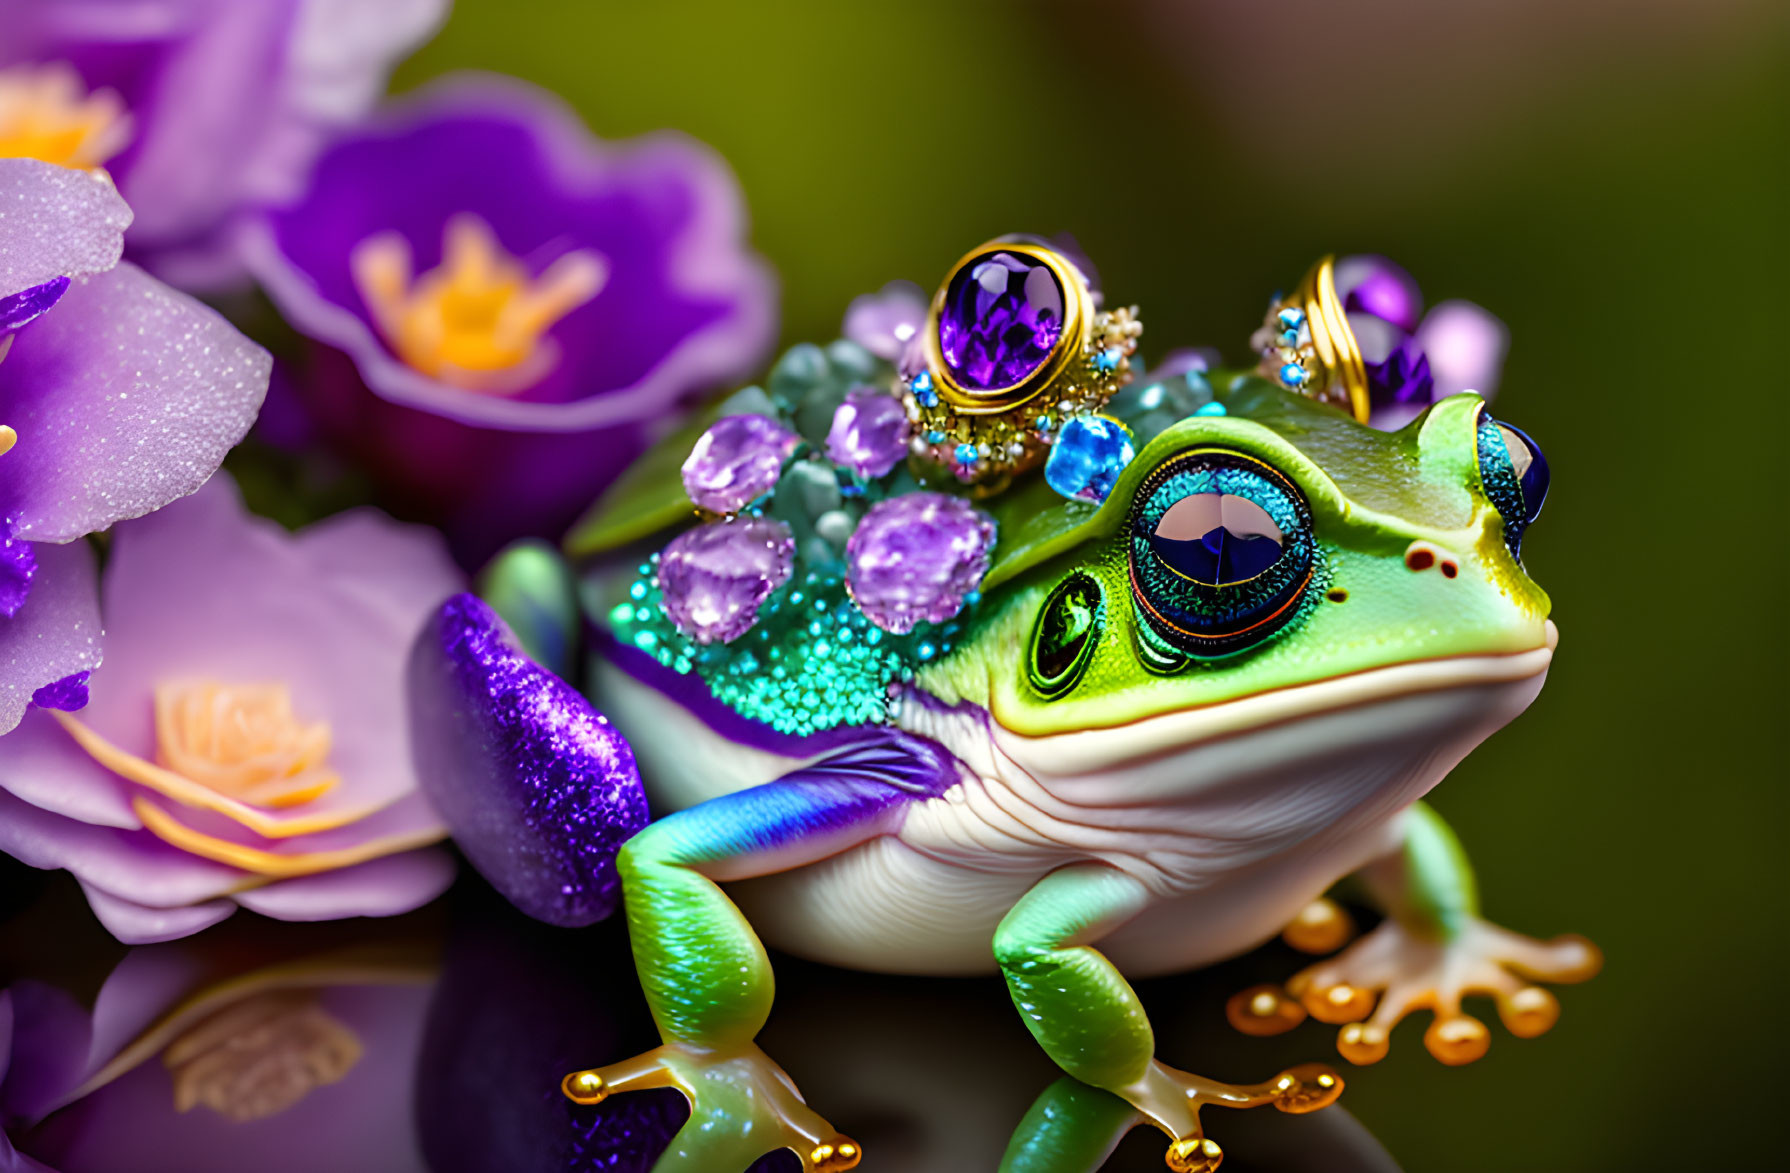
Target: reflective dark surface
(436, 1042)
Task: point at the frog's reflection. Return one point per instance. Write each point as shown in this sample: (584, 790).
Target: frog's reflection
(280, 1048)
(356, 1047)
(933, 1075)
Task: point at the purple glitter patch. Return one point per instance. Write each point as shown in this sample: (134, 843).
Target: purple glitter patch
(736, 461)
(917, 556)
(25, 306)
(67, 695)
(539, 790)
(18, 564)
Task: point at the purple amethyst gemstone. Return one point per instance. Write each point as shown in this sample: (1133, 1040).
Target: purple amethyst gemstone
(715, 576)
(869, 433)
(737, 461)
(1372, 284)
(915, 557)
(1002, 317)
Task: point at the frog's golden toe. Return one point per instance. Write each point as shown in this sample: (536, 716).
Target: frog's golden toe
(742, 1105)
(1263, 1011)
(1393, 971)
(1171, 1099)
(1323, 926)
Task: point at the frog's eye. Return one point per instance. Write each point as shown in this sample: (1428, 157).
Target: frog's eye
(1221, 552)
(1514, 474)
(1063, 640)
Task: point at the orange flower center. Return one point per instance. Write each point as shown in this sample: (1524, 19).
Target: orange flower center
(478, 320)
(47, 112)
(242, 741)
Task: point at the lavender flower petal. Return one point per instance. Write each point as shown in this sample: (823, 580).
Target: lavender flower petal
(55, 222)
(917, 557)
(125, 397)
(55, 633)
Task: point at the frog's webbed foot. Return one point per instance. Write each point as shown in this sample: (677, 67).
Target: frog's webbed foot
(742, 1106)
(1172, 1099)
(1402, 971)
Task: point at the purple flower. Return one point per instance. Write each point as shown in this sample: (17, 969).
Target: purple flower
(117, 395)
(1414, 359)
(869, 433)
(917, 556)
(246, 740)
(199, 108)
(715, 576)
(736, 461)
(525, 303)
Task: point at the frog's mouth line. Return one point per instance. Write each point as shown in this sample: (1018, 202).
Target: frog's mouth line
(1102, 748)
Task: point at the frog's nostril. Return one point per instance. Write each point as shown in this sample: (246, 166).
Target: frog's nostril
(1423, 556)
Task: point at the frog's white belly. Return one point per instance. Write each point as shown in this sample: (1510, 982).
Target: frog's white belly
(1234, 816)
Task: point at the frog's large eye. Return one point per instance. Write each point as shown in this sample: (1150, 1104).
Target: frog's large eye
(1221, 552)
(1514, 474)
(1063, 639)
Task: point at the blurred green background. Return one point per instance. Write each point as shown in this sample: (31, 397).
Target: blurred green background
(1610, 179)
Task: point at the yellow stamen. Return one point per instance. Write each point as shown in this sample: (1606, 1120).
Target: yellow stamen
(197, 794)
(8, 438)
(269, 863)
(46, 112)
(478, 321)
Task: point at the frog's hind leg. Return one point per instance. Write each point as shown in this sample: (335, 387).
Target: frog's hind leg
(706, 977)
(1088, 1019)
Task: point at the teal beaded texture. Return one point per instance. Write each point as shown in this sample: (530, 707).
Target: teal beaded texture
(812, 662)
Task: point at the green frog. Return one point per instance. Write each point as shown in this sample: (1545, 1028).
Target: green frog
(1203, 675)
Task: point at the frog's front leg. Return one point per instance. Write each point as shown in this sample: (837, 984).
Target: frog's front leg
(1088, 1019)
(705, 974)
(1432, 949)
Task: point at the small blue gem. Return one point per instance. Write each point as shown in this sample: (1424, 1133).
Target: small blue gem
(935, 437)
(1042, 423)
(966, 454)
(1108, 359)
(1292, 318)
(1293, 375)
(921, 386)
(1289, 337)
(1212, 408)
(1088, 457)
